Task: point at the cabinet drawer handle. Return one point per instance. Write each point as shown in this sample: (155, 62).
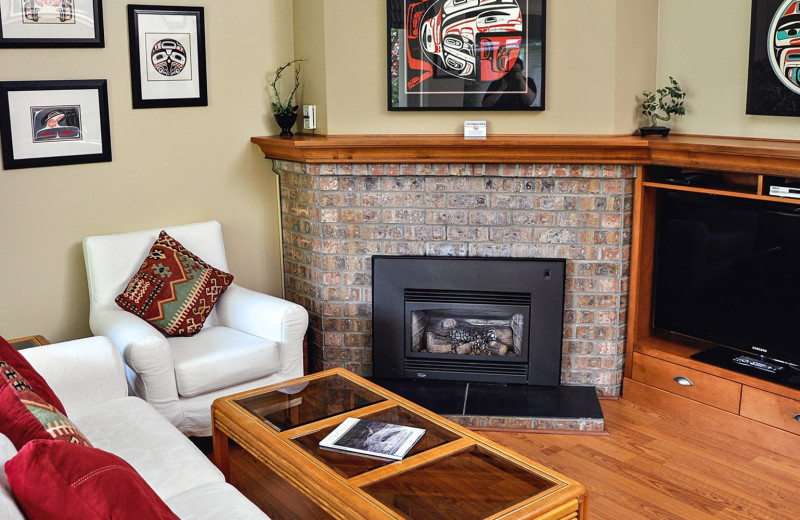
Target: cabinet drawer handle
(796, 417)
(684, 381)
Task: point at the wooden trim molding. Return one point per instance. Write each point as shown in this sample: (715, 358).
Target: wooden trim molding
(704, 152)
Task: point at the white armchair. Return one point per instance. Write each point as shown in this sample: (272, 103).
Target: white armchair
(249, 339)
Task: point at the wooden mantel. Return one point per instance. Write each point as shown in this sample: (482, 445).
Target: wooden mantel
(704, 152)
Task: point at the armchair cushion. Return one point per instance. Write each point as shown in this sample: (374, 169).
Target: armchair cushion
(220, 357)
(174, 289)
(59, 480)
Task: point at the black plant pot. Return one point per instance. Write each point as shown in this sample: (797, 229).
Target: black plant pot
(654, 130)
(286, 122)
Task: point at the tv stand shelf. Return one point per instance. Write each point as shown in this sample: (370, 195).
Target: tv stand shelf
(660, 372)
(742, 185)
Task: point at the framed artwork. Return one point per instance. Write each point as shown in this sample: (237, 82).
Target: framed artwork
(168, 57)
(773, 82)
(52, 123)
(467, 55)
(51, 23)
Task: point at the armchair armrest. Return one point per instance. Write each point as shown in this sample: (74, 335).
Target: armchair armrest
(81, 372)
(149, 368)
(267, 317)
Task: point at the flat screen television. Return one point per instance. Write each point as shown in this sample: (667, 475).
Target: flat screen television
(727, 271)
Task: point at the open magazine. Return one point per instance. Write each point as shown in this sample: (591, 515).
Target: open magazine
(374, 438)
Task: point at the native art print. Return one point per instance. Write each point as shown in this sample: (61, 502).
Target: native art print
(168, 57)
(54, 122)
(167, 50)
(466, 54)
(51, 23)
(48, 11)
(774, 74)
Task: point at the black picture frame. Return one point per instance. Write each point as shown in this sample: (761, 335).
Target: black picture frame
(54, 123)
(70, 23)
(485, 57)
(773, 86)
(176, 37)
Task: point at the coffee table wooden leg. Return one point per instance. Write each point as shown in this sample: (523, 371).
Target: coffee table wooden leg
(221, 453)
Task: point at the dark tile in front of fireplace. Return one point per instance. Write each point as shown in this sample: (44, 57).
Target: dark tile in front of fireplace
(560, 402)
(574, 404)
(442, 397)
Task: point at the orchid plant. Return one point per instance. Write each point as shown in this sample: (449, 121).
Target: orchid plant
(288, 106)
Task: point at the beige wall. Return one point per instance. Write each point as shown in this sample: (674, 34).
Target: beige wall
(309, 45)
(170, 166)
(600, 55)
(705, 45)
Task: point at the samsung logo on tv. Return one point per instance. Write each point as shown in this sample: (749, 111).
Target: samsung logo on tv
(759, 349)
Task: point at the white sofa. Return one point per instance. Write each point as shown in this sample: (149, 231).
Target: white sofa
(88, 377)
(249, 340)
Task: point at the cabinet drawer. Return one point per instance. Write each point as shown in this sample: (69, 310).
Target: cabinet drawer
(698, 386)
(771, 409)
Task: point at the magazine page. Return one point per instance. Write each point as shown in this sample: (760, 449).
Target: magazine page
(378, 439)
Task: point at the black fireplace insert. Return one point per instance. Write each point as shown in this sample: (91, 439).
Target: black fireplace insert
(468, 319)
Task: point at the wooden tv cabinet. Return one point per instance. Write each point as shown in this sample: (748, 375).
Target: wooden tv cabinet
(659, 372)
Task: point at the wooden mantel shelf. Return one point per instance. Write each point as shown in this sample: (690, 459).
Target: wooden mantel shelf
(705, 152)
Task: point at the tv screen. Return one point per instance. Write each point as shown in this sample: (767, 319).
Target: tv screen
(727, 271)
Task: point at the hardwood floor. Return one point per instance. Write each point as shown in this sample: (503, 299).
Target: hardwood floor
(654, 467)
(649, 467)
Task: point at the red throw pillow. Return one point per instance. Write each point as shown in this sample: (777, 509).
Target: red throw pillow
(53, 479)
(12, 356)
(174, 290)
(25, 416)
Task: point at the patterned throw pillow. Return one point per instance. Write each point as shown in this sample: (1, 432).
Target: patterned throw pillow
(25, 416)
(174, 290)
(21, 365)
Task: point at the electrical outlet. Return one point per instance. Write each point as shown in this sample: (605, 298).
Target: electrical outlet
(309, 117)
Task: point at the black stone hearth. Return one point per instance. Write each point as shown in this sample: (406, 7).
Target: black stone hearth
(574, 408)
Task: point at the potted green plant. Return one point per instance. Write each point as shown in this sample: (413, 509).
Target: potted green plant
(285, 111)
(666, 101)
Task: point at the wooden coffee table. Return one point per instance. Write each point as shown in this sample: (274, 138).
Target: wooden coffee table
(451, 472)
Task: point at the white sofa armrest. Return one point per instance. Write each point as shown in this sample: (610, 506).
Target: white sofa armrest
(82, 372)
(150, 370)
(267, 317)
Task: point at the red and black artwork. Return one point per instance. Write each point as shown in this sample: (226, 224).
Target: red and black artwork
(48, 11)
(773, 86)
(56, 123)
(168, 57)
(466, 54)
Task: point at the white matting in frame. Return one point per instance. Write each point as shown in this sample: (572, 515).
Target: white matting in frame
(51, 23)
(26, 107)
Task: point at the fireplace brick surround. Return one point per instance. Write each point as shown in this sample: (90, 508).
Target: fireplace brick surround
(336, 216)
(748, 165)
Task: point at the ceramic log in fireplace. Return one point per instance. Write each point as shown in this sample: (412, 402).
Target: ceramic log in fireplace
(468, 319)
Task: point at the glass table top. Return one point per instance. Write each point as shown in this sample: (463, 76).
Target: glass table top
(295, 405)
(350, 465)
(468, 485)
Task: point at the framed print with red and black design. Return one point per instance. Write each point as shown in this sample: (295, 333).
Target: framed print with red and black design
(168, 56)
(51, 23)
(773, 82)
(466, 54)
(53, 123)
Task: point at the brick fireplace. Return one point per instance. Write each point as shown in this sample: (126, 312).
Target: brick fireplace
(337, 215)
